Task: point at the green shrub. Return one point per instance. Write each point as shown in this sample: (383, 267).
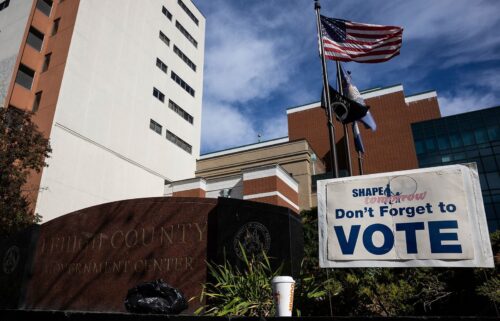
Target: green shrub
(240, 293)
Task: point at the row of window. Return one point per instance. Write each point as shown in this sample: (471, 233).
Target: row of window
(179, 142)
(172, 105)
(4, 4)
(186, 34)
(164, 38)
(166, 13)
(188, 12)
(158, 94)
(182, 83)
(45, 6)
(183, 30)
(160, 64)
(457, 140)
(184, 58)
(157, 128)
(178, 52)
(154, 126)
(181, 112)
(35, 38)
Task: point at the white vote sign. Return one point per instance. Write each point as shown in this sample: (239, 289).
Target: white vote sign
(424, 217)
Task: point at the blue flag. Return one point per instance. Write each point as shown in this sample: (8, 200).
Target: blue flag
(358, 143)
(351, 92)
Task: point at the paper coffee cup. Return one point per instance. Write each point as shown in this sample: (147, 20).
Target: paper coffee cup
(283, 287)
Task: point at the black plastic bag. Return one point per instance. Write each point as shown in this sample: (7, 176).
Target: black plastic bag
(155, 297)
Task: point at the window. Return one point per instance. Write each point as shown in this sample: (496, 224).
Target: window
(186, 34)
(164, 38)
(36, 102)
(181, 112)
(158, 94)
(179, 142)
(189, 13)
(44, 6)
(443, 142)
(46, 62)
(166, 13)
(25, 76)
(184, 58)
(4, 4)
(160, 64)
(55, 26)
(155, 126)
(456, 141)
(182, 83)
(35, 39)
(468, 138)
(481, 135)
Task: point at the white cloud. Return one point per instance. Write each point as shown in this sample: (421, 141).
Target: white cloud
(464, 101)
(242, 61)
(275, 127)
(225, 126)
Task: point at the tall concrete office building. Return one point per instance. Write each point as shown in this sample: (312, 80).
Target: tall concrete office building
(117, 87)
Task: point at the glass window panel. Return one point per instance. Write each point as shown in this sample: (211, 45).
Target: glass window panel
(456, 141)
(497, 210)
(35, 39)
(44, 6)
(490, 211)
(493, 225)
(446, 158)
(459, 156)
(479, 164)
(489, 164)
(430, 145)
(25, 76)
(486, 151)
(472, 153)
(481, 135)
(443, 143)
(493, 180)
(494, 132)
(495, 197)
(483, 181)
(468, 138)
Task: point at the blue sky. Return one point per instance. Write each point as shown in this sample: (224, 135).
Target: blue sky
(261, 58)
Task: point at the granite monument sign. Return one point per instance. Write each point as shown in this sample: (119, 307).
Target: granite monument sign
(87, 260)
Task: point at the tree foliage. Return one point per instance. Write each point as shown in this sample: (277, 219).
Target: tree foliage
(23, 150)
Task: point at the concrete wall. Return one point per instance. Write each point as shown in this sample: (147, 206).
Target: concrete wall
(103, 148)
(294, 157)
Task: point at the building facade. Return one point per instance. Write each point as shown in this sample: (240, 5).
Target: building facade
(304, 153)
(390, 148)
(465, 138)
(115, 85)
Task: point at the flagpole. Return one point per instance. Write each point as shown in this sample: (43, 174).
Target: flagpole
(360, 163)
(326, 94)
(346, 133)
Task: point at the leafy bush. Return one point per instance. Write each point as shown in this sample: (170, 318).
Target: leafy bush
(240, 293)
(361, 291)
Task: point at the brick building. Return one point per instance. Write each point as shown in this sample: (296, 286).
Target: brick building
(303, 154)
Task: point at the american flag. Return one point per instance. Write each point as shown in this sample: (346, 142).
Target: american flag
(351, 41)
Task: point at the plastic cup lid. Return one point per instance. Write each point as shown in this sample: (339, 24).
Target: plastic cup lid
(282, 279)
